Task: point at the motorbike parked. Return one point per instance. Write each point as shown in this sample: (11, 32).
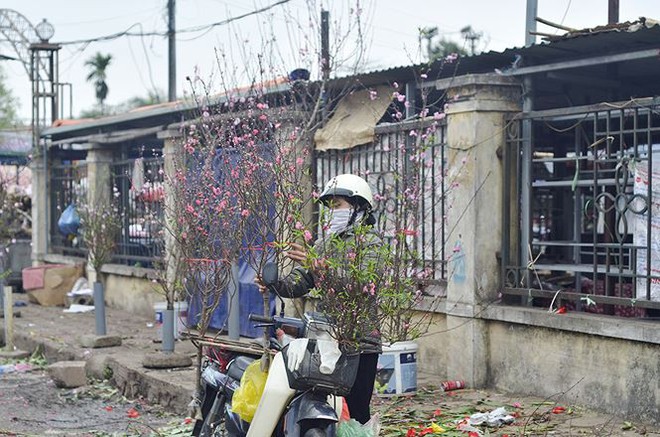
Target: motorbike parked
(301, 397)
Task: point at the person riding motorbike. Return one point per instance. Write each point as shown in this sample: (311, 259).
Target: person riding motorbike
(349, 200)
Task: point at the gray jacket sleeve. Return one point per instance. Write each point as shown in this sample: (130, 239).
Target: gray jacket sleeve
(296, 284)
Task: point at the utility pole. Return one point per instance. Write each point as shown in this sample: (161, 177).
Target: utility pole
(613, 11)
(530, 23)
(325, 44)
(171, 95)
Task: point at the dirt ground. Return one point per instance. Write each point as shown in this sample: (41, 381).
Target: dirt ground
(432, 408)
(31, 405)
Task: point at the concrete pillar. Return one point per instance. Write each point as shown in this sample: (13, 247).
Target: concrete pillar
(476, 128)
(171, 153)
(99, 188)
(40, 208)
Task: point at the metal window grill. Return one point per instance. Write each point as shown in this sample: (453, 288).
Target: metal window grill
(582, 209)
(138, 184)
(384, 163)
(68, 186)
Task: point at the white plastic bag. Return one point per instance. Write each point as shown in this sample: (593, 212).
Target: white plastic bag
(330, 353)
(296, 352)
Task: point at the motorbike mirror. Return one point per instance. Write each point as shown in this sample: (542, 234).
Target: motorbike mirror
(269, 273)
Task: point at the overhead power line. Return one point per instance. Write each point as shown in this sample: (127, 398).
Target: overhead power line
(128, 32)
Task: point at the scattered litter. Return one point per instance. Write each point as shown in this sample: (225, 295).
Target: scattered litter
(20, 303)
(150, 325)
(18, 367)
(76, 308)
(80, 293)
(132, 413)
(452, 385)
(497, 417)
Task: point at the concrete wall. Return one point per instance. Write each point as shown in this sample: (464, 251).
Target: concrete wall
(432, 356)
(131, 289)
(614, 375)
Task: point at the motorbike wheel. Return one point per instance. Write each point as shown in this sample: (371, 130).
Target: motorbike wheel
(213, 425)
(315, 432)
(316, 428)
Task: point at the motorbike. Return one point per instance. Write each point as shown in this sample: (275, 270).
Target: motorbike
(301, 398)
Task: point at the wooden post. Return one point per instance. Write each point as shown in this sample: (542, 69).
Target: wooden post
(9, 319)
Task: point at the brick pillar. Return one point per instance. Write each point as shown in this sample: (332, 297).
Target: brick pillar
(476, 128)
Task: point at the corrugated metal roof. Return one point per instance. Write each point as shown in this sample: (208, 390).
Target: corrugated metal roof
(619, 38)
(15, 142)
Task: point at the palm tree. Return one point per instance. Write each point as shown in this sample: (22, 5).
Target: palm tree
(98, 63)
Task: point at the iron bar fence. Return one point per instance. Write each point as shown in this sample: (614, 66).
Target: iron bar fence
(68, 186)
(385, 164)
(139, 185)
(593, 210)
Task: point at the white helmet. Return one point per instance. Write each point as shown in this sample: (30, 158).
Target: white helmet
(350, 186)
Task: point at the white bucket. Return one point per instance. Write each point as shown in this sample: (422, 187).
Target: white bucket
(397, 370)
(180, 317)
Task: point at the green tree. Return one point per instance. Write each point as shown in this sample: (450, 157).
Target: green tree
(98, 64)
(8, 105)
(444, 46)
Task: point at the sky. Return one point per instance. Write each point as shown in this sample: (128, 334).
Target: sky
(285, 33)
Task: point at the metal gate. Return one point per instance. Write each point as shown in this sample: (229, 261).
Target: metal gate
(384, 164)
(582, 209)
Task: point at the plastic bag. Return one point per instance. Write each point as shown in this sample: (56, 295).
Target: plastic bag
(353, 428)
(247, 395)
(69, 221)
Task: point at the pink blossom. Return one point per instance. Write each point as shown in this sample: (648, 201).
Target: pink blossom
(373, 95)
(245, 213)
(190, 209)
(307, 236)
(299, 226)
(439, 115)
(299, 161)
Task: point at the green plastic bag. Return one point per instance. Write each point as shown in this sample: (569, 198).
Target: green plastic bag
(247, 395)
(353, 428)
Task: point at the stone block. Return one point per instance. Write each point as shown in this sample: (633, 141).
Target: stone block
(14, 355)
(100, 341)
(160, 360)
(68, 374)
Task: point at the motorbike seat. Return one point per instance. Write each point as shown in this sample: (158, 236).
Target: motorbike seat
(237, 366)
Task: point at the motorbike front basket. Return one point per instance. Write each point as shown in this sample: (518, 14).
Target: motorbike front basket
(308, 377)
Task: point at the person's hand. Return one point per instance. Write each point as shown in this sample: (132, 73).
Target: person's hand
(296, 253)
(262, 288)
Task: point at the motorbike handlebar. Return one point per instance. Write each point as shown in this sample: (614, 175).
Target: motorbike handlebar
(260, 319)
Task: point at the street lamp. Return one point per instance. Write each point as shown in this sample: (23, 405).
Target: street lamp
(45, 30)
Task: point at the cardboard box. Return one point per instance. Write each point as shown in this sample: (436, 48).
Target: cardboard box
(47, 285)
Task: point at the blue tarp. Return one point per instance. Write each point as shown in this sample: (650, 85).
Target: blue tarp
(250, 299)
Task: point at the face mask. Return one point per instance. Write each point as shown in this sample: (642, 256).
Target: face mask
(339, 220)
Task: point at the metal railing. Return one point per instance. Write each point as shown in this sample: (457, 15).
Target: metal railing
(68, 186)
(582, 209)
(385, 164)
(138, 184)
